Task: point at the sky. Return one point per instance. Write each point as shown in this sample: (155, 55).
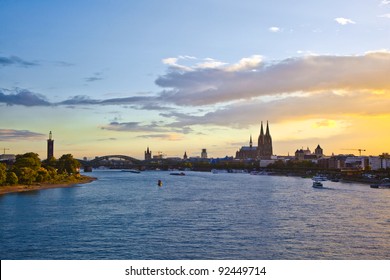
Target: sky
(115, 77)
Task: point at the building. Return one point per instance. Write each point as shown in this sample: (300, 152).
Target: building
(148, 154)
(203, 154)
(301, 154)
(319, 152)
(50, 147)
(263, 149)
(247, 152)
(264, 146)
(185, 157)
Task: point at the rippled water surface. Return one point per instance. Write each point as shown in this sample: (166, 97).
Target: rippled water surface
(198, 216)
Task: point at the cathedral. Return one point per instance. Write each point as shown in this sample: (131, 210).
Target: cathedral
(263, 149)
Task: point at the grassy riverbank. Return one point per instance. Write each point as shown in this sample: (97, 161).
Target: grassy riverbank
(64, 184)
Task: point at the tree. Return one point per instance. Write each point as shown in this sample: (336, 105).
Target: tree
(3, 174)
(42, 175)
(12, 179)
(68, 164)
(30, 160)
(27, 175)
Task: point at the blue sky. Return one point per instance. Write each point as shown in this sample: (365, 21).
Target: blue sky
(112, 77)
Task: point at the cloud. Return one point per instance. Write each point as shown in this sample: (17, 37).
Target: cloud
(10, 135)
(274, 29)
(132, 127)
(15, 60)
(151, 127)
(321, 84)
(344, 21)
(322, 105)
(162, 136)
(384, 2)
(23, 97)
(95, 77)
(311, 73)
(385, 16)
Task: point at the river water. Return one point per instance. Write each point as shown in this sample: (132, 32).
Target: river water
(198, 216)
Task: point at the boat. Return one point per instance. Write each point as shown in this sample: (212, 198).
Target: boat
(131, 170)
(383, 184)
(216, 171)
(259, 173)
(178, 173)
(318, 185)
(320, 178)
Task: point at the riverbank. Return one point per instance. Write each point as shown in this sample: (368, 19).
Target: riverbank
(35, 187)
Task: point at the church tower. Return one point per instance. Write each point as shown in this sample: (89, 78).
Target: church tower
(50, 147)
(250, 142)
(264, 148)
(148, 154)
(260, 141)
(267, 143)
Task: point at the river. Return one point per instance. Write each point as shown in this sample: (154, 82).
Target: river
(202, 215)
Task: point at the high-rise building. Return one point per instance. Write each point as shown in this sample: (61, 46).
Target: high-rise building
(50, 147)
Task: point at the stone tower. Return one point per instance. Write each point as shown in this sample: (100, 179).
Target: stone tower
(50, 147)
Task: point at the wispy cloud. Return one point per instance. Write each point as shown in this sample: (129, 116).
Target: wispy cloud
(9, 135)
(344, 21)
(384, 2)
(97, 76)
(133, 127)
(15, 60)
(23, 97)
(162, 136)
(274, 29)
(385, 16)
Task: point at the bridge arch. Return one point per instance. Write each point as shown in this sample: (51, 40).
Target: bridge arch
(108, 157)
(112, 161)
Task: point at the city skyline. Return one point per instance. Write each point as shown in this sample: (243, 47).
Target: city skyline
(116, 78)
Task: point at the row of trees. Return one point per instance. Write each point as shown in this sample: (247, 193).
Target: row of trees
(29, 169)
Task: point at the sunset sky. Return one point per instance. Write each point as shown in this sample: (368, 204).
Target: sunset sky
(114, 77)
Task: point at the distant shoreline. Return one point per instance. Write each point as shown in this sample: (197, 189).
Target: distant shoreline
(43, 186)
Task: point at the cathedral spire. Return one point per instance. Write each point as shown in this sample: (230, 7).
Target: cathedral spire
(250, 141)
(261, 129)
(267, 130)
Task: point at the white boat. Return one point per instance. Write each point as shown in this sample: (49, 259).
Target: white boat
(383, 184)
(320, 178)
(131, 170)
(318, 185)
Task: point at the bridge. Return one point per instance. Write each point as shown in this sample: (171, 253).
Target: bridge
(112, 161)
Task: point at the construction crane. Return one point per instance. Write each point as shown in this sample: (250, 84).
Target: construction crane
(4, 149)
(360, 150)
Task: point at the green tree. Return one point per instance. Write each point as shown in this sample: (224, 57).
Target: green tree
(12, 179)
(42, 175)
(3, 174)
(30, 160)
(51, 162)
(68, 164)
(27, 175)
